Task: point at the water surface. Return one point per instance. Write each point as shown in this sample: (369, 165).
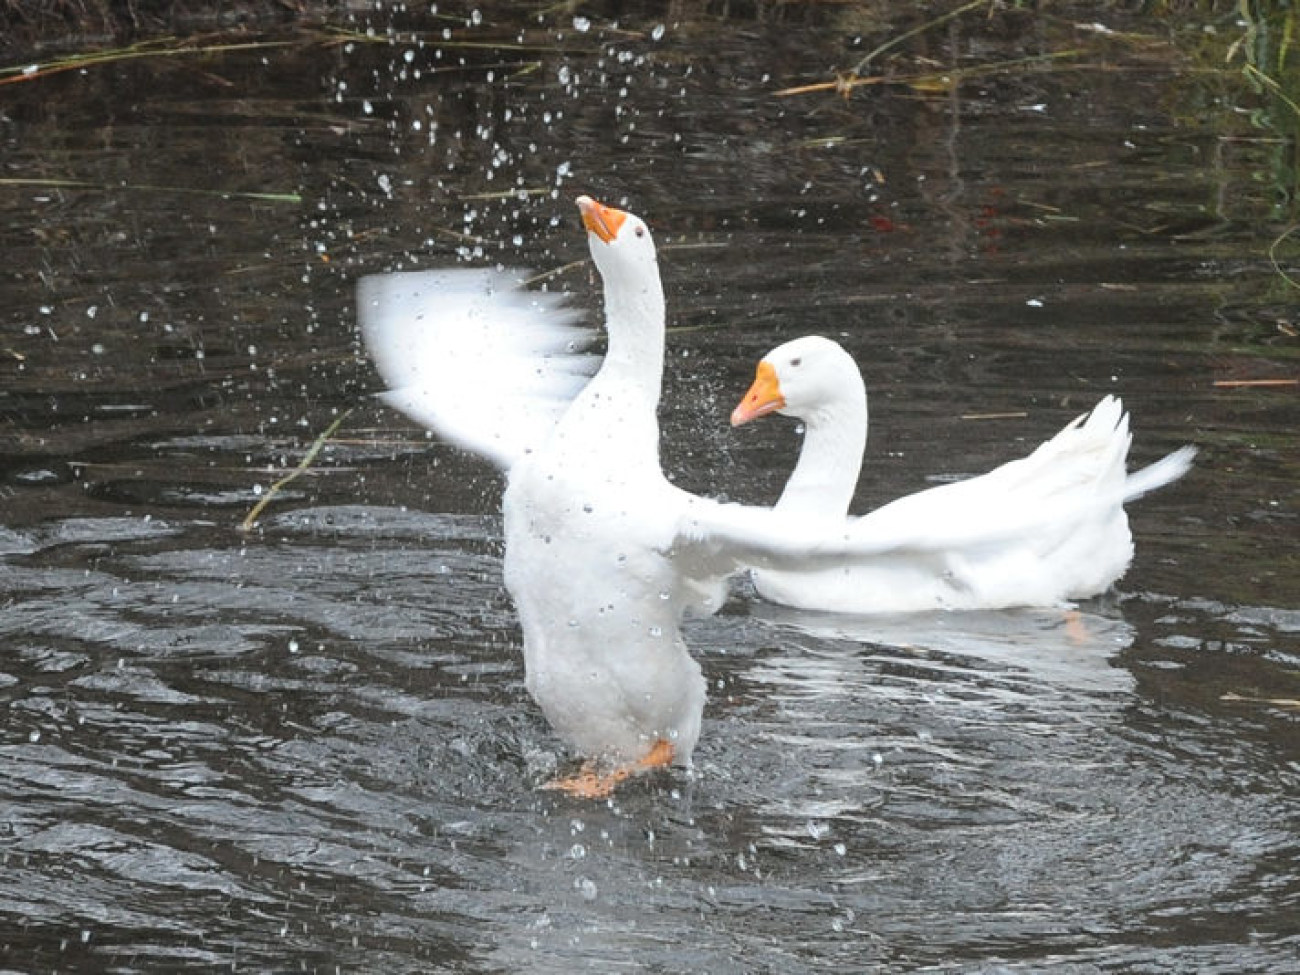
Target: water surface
(309, 747)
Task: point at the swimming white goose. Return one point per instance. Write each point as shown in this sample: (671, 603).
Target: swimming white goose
(603, 556)
(1068, 495)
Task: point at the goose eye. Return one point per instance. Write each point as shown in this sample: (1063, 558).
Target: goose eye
(640, 231)
(796, 362)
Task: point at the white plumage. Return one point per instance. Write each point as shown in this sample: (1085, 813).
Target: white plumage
(469, 353)
(603, 555)
(1037, 531)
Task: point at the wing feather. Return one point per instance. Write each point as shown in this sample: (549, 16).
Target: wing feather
(727, 536)
(475, 357)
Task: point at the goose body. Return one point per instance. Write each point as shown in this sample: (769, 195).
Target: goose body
(589, 527)
(603, 556)
(1056, 529)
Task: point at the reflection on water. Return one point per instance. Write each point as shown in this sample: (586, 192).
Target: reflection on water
(309, 746)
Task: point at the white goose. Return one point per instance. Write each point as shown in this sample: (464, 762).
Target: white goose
(1067, 496)
(603, 556)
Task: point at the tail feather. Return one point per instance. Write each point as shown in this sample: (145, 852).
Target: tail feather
(1164, 471)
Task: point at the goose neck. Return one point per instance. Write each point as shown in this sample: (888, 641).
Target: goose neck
(830, 460)
(634, 319)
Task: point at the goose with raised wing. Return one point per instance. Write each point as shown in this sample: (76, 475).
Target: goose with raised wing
(603, 556)
(1058, 514)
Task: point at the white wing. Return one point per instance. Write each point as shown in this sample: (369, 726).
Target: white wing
(1058, 491)
(724, 537)
(473, 356)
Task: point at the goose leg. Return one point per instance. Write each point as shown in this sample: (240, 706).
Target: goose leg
(1076, 630)
(589, 783)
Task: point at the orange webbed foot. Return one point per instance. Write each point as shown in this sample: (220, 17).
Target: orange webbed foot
(1076, 630)
(589, 783)
(660, 755)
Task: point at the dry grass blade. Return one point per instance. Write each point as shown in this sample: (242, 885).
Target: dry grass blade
(81, 184)
(169, 47)
(893, 42)
(1277, 702)
(164, 48)
(251, 519)
(934, 80)
(1236, 383)
(1272, 256)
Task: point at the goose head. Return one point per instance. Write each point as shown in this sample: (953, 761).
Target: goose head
(807, 378)
(620, 242)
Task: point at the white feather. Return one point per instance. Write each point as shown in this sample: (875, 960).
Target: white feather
(471, 355)
(1037, 531)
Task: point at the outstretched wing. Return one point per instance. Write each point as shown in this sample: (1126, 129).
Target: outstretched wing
(719, 538)
(473, 356)
(724, 537)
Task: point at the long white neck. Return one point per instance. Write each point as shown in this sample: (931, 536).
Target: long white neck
(634, 317)
(830, 460)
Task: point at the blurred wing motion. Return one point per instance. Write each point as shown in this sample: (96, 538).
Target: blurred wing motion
(473, 356)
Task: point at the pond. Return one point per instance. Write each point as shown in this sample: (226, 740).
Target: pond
(308, 746)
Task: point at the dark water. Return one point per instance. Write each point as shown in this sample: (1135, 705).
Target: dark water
(308, 747)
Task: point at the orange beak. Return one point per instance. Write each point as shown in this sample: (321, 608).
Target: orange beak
(599, 219)
(764, 396)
